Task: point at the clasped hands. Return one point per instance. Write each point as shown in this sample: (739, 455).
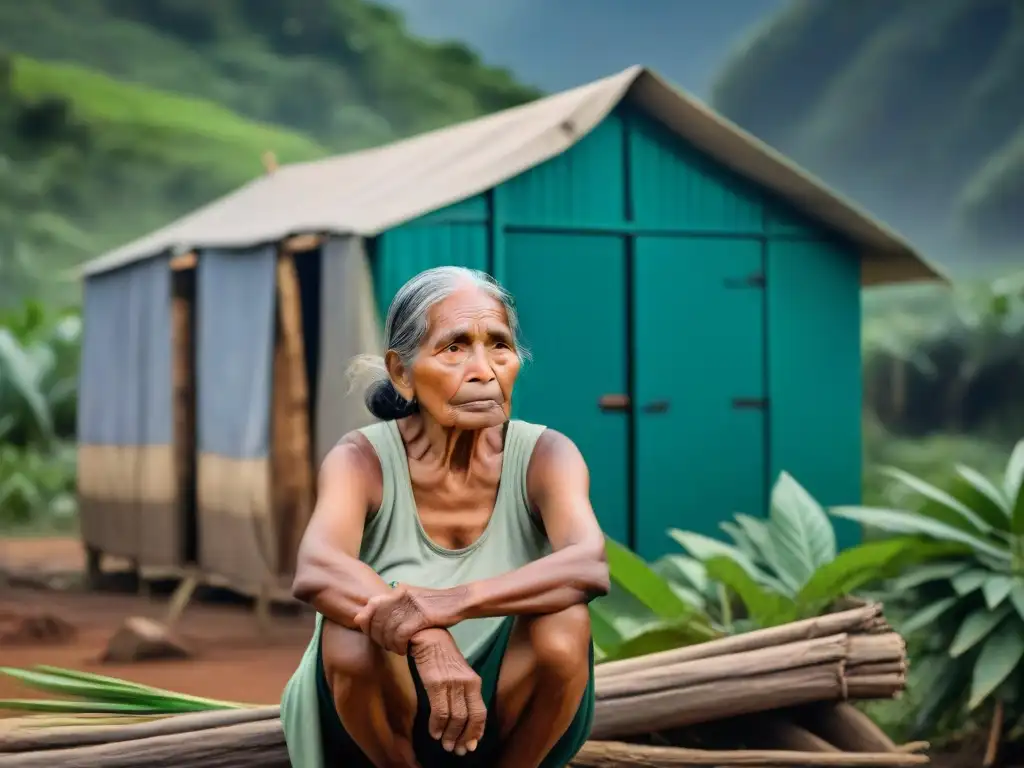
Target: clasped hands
(414, 621)
(392, 619)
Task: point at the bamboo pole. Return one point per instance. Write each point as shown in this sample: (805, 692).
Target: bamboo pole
(717, 700)
(820, 626)
(597, 754)
(743, 665)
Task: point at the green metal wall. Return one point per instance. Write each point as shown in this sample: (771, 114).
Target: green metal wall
(643, 268)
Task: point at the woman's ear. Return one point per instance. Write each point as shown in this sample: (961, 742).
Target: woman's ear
(399, 374)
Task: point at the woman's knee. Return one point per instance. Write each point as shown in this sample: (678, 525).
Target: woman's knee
(561, 641)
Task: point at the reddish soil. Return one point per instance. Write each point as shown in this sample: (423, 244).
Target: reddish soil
(233, 661)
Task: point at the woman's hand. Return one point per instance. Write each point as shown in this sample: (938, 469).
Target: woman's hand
(457, 711)
(391, 619)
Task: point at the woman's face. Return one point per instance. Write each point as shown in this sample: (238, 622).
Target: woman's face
(467, 365)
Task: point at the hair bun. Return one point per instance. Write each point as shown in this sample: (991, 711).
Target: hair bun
(386, 404)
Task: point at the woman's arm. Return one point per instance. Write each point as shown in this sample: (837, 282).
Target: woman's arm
(558, 484)
(328, 574)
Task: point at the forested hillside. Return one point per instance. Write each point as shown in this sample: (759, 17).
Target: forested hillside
(914, 108)
(346, 71)
(117, 116)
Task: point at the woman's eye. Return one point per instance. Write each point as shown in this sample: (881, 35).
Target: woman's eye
(452, 348)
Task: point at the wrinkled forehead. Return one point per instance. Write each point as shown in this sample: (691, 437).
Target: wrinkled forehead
(468, 310)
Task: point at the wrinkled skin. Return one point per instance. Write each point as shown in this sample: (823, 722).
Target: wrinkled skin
(463, 380)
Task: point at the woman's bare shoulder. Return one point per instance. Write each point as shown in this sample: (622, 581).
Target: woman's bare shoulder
(353, 456)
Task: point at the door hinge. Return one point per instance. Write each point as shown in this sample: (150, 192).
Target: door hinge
(751, 403)
(750, 281)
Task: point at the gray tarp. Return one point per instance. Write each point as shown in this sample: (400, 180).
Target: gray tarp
(349, 326)
(235, 321)
(126, 468)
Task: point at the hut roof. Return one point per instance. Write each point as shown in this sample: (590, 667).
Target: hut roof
(372, 190)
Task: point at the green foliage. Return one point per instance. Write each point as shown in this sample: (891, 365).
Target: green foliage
(785, 567)
(642, 613)
(87, 163)
(157, 108)
(941, 360)
(965, 601)
(38, 377)
(344, 71)
(92, 694)
(912, 108)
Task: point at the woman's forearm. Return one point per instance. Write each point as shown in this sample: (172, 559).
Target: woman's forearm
(337, 586)
(574, 575)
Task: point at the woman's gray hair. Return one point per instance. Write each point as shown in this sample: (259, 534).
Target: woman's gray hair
(406, 327)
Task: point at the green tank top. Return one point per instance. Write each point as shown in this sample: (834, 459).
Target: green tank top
(397, 547)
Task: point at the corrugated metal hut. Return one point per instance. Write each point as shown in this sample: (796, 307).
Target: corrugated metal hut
(692, 300)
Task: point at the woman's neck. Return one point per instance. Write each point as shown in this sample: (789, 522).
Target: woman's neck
(452, 449)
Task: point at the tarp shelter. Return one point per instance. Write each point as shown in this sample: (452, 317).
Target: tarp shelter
(644, 200)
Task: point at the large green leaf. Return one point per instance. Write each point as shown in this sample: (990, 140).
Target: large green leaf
(924, 574)
(999, 658)
(943, 506)
(19, 375)
(935, 682)
(704, 548)
(763, 606)
(757, 532)
(997, 588)
(927, 615)
(968, 581)
(897, 521)
(851, 569)
(660, 635)
(636, 577)
(684, 568)
(1017, 596)
(1013, 485)
(976, 628)
(802, 536)
(989, 501)
(602, 629)
(742, 541)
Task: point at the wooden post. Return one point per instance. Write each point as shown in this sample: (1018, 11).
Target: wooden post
(291, 445)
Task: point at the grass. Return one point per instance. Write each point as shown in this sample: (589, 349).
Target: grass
(177, 128)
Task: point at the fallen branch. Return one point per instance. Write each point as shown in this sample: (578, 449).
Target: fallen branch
(597, 754)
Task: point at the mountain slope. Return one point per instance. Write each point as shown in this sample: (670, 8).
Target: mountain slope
(87, 162)
(346, 71)
(912, 108)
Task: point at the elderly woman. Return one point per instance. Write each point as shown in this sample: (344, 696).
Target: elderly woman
(450, 559)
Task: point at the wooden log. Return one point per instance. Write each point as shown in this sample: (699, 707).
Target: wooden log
(261, 745)
(245, 745)
(747, 664)
(598, 754)
(875, 686)
(820, 626)
(772, 730)
(33, 739)
(716, 701)
(876, 649)
(881, 668)
(847, 727)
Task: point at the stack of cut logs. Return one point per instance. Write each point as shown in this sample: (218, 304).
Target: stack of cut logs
(775, 697)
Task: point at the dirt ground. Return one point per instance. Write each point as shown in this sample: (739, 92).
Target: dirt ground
(234, 661)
